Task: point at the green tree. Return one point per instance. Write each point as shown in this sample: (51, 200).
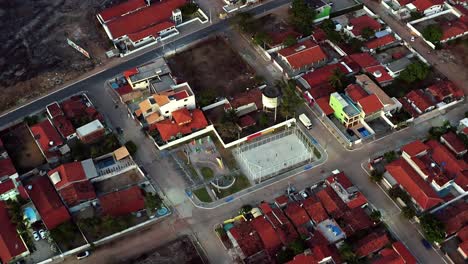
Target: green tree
(152, 201)
(390, 156)
(230, 116)
(367, 32)
(263, 120)
(432, 33)
(245, 209)
(356, 44)
(408, 212)
(290, 41)
(31, 120)
(262, 39)
(433, 229)
(328, 25)
(376, 176)
(285, 255)
(245, 22)
(416, 15)
(336, 80)
(189, 9)
(131, 147)
(347, 253)
(376, 215)
(416, 71)
(298, 246)
(289, 100)
(302, 17)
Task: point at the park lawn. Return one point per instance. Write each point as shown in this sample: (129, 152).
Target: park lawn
(207, 173)
(202, 195)
(241, 183)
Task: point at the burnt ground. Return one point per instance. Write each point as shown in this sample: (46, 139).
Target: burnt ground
(213, 69)
(35, 55)
(180, 251)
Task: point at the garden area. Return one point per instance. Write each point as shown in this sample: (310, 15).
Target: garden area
(107, 144)
(202, 195)
(67, 236)
(96, 228)
(241, 183)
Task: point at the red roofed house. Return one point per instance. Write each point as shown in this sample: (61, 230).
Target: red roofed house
(70, 181)
(445, 91)
(454, 143)
(48, 139)
(355, 220)
(7, 169)
(348, 193)
(380, 42)
(454, 217)
(371, 243)
(54, 110)
(332, 203)
(358, 24)
(419, 101)
(371, 107)
(463, 246)
(245, 239)
(185, 122)
(298, 217)
(426, 7)
(355, 92)
(454, 29)
(135, 23)
(47, 202)
(302, 56)
(8, 189)
(315, 210)
(380, 74)
(122, 202)
(11, 244)
(364, 60)
(64, 127)
(267, 234)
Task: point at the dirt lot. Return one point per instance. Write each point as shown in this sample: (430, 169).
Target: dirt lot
(22, 148)
(35, 55)
(180, 251)
(460, 46)
(213, 69)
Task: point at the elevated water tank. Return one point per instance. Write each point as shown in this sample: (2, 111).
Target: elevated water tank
(270, 97)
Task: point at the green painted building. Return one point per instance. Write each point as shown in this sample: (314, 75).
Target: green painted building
(321, 8)
(344, 110)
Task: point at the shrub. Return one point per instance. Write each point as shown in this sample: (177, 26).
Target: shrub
(433, 229)
(376, 176)
(408, 212)
(188, 9)
(131, 147)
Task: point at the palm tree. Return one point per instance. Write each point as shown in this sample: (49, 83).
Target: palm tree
(336, 79)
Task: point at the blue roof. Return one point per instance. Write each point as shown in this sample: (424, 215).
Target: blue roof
(382, 33)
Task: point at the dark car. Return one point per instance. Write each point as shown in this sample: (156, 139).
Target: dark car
(119, 130)
(426, 244)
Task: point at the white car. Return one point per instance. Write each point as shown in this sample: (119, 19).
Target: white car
(36, 236)
(42, 233)
(83, 255)
(412, 38)
(304, 194)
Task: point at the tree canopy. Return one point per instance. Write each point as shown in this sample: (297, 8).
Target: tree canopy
(432, 33)
(433, 229)
(289, 100)
(416, 71)
(302, 17)
(289, 41)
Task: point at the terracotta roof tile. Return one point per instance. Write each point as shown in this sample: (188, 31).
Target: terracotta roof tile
(370, 104)
(455, 142)
(371, 243)
(355, 92)
(381, 42)
(362, 22)
(11, 244)
(122, 202)
(303, 54)
(315, 210)
(415, 148)
(121, 9)
(270, 239)
(364, 60)
(6, 167)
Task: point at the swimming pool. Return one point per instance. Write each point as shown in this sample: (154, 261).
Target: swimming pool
(106, 162)
(30, 214)
(363, 131)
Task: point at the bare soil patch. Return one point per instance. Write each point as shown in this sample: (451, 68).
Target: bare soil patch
(213, 70)
(35, 54)
(22, 148)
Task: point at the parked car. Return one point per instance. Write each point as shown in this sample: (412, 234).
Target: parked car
(83, 255)
(36, 236)
(412, 38)
(426, 244)
(304, 194)
(42, 233)
(119, 130)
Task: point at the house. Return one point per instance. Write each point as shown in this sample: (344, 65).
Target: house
(140, 77)
(321, 8)
(348, 193)
(395, 67)
(281, 201)
(12, 245)
(315, 210)
(332, 203)
(48, 140)
(398, 253)
(463, 246)
(245, 239)
(298, 217)
(47, 202)
(378, 43)
(420, 101)
(122, 202)
(364, 60)
(246, 102)
(454, 217)
(331, 231)
(64, 127)
(283, 226)
(357, 25)
(7, 169)
(302, 56)
(445, 91)
(79, 109)
(183, 122)
(269, 237)
(426, 7)
(454, 143)
(91, 132)
(344, 110)
(371, 107)
(71, 183)
(454, 29)
(355, 220)
(380, 74)
(8, 189)
(371, 243)
(53, 110)
(134, 23)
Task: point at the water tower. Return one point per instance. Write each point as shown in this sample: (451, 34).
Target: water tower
(270, 99)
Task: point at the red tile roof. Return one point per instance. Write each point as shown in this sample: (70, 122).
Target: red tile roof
(248, 240)
(442, 156)
(182, 116)
(73, 185)
(371, 243)
(121, 9)
(421, 100)
(47, 137)
(287, 234)
(380, 42)
(123, 90)
(415, 148)
(315, 210)
(355, 220)
(355, 92)
(11, 244)
(122, 202)
(455, 142)
(265, 208)
(247, 97)
(324, 104)
(379, 73)
(47, 202)
(321, 75)
(340, 178)
(454, 217)
(319, 35)
(404, 2)
(267, 234)
(75, 108)
(303, 54)
(362, 22)
(167, 129)
(463, 233)
(296, 214)
(422, 5)
(246, 121)
(143, 18)
(420, 190)
(464, 247)
(280, 36)
(6, 186)
(331, 202)
(281, 200)
(404, 253)
(54, 110)
(63, 125)
(364, 60)
(6, 167)
(303, 259)
(151, 31)
(370, 104)
(388, 256)
(445, 89)
(358, 201)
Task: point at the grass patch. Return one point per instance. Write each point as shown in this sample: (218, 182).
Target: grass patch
(207, 173)
(202, 195)
(241, 183)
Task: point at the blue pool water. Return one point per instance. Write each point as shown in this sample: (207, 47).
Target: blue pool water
(109, 161)
(334, 229)
(363, 131)
(114, 85)
(162, 211)
(30, 214)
